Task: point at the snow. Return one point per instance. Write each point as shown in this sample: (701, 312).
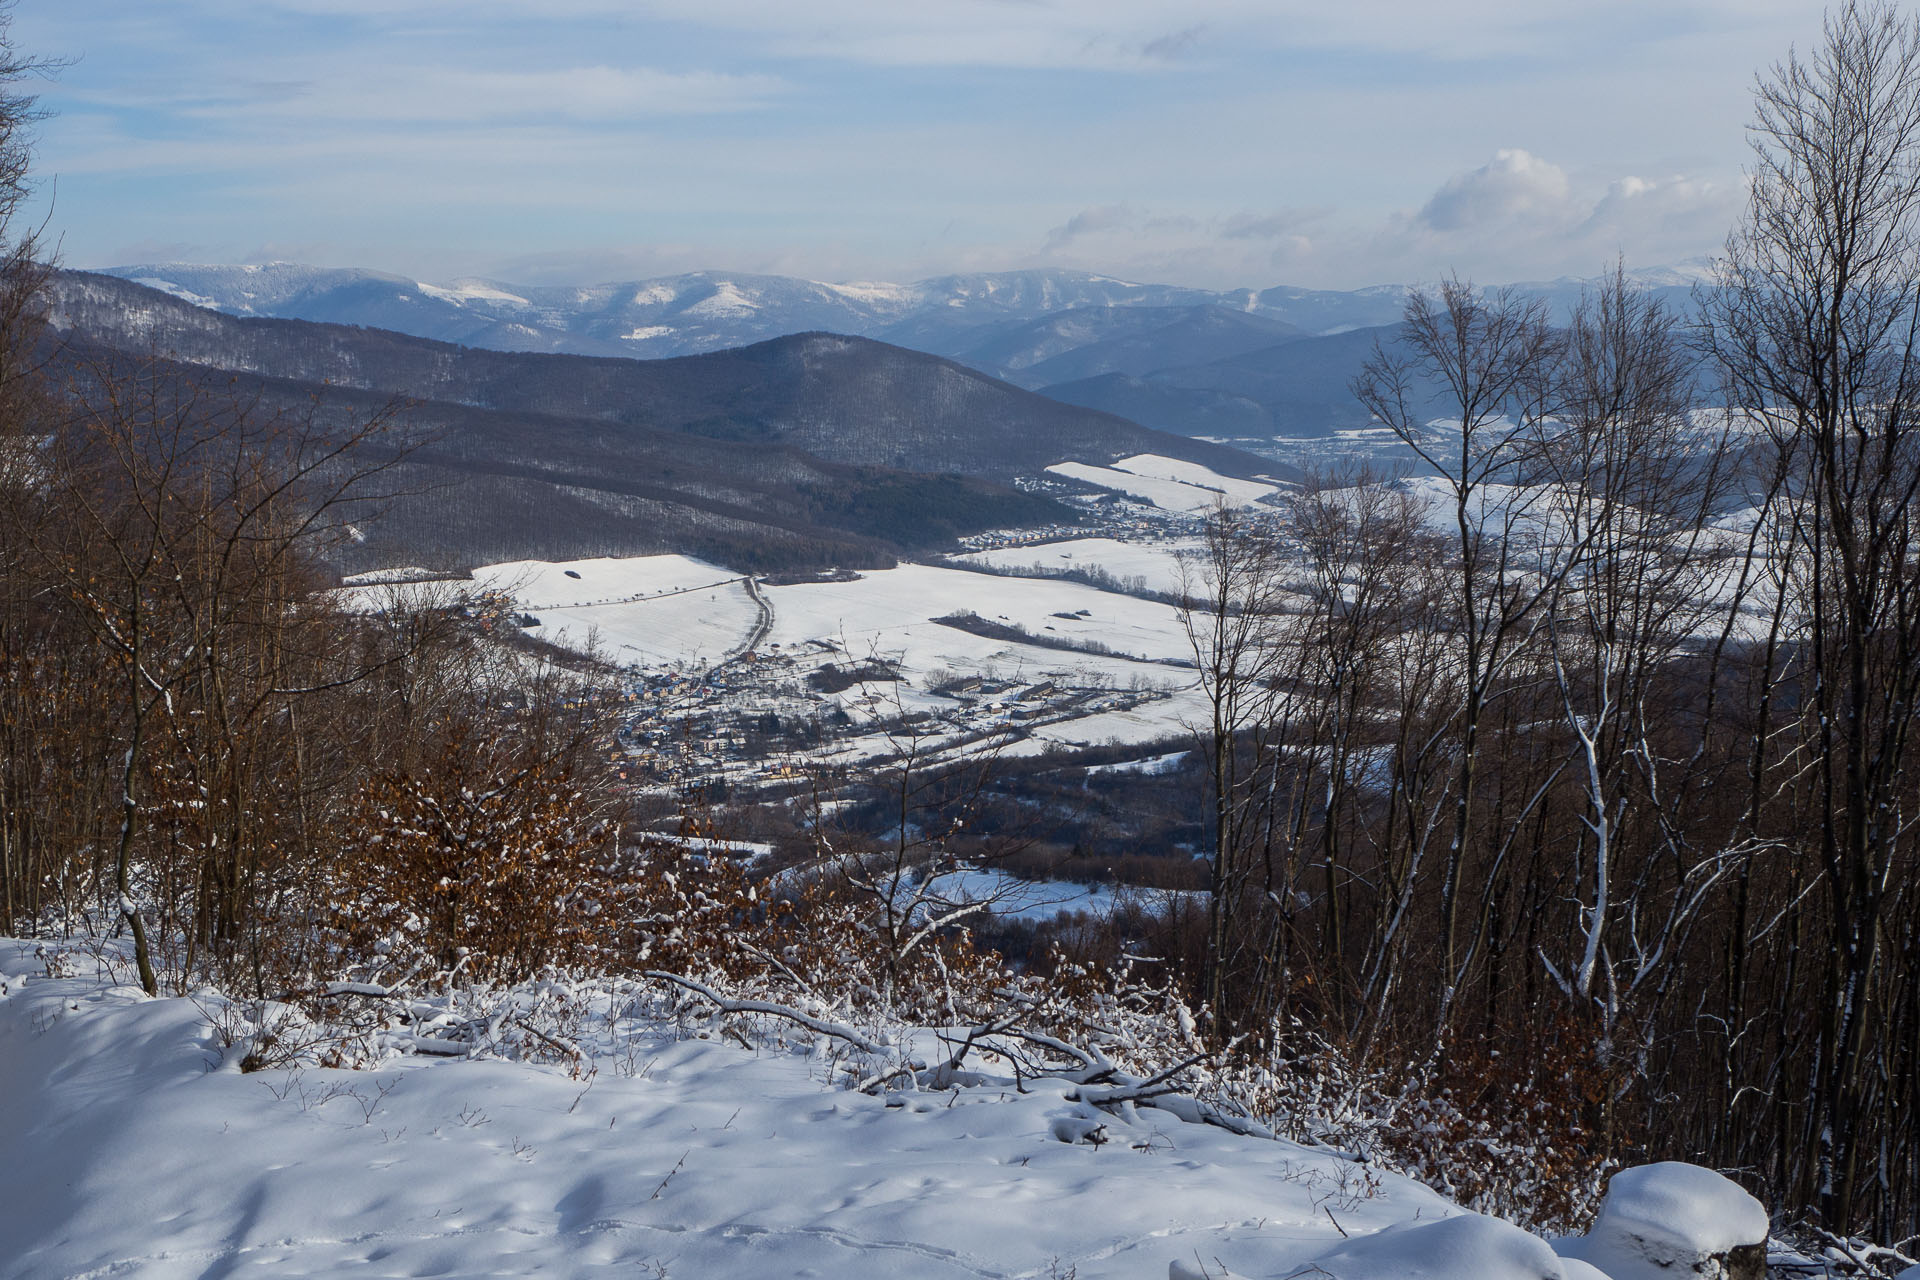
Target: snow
(876, 293)
(1685, 1203)
(704, 624)
(1465, 1247)
(1661, 1218)
(470, 291)
(674, 611)
(542, 584)
(1534, 511)
(137, 1147)
(1156, 564)
(749, 849)
(401, 595)
(184, 294)
(646, 331)
(402, 573)
(892, 609)
(1155, 722)
(1152, 764)
(726, 301)
(1166, 483)
(1239, 493)
(1015, 898)
(649, 611)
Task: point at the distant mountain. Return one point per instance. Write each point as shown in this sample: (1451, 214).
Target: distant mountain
(711, 310)
(1297, 388)
(1041, 328)
(843, 399)
(804, 450)
(672, 315)
(1090, 341)
(1189, 411)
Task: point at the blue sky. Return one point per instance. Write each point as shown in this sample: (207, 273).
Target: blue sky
(1212, 142)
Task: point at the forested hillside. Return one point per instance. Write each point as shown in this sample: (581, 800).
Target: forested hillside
(843, 399)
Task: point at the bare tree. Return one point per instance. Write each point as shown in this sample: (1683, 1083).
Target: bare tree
(1634, 486)
(1233, 605)
(1486, 360)
(1815, 324)
(1362, 552)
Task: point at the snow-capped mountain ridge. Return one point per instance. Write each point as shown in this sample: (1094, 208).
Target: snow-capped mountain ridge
(711, 310)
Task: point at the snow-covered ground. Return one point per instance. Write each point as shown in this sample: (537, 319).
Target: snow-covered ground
(1167, 483)
(542, 584)
(1165, 763)
(892, 610)
(1012, 897)
(672, 609)
(674, 612)
(1155, 565)
(1238, 493)
(137, 1147)
(643, 611)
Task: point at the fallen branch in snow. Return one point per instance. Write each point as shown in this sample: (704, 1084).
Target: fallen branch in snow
(439, 1048)
(553, 1042)
(838, 1031)
(1153, 1086)
(1159, 1092)
(371, 990)
(877, 1084)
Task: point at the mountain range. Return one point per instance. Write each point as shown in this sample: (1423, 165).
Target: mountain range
(1238, 364)
(709, 311)
(804, 450)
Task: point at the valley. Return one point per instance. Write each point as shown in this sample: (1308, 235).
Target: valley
(1052, 655)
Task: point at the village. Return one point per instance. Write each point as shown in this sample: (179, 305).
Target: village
(768, 721)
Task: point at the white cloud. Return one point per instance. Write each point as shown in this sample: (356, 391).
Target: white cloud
(460, 95)
(1090, 222)
(1113, 34)
(1512, 187)
(1520, 216)
(1281, 224)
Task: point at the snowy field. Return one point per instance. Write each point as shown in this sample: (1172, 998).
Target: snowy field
(890, 611)
(673, 612)
(1167, 483)
(1238, 493)
(645, 611)
(138, 1148)
(699, 626)
(1155, 564)
(1015, 898)
(541, 584)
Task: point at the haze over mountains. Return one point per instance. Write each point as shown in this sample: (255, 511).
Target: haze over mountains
(1241, 363)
